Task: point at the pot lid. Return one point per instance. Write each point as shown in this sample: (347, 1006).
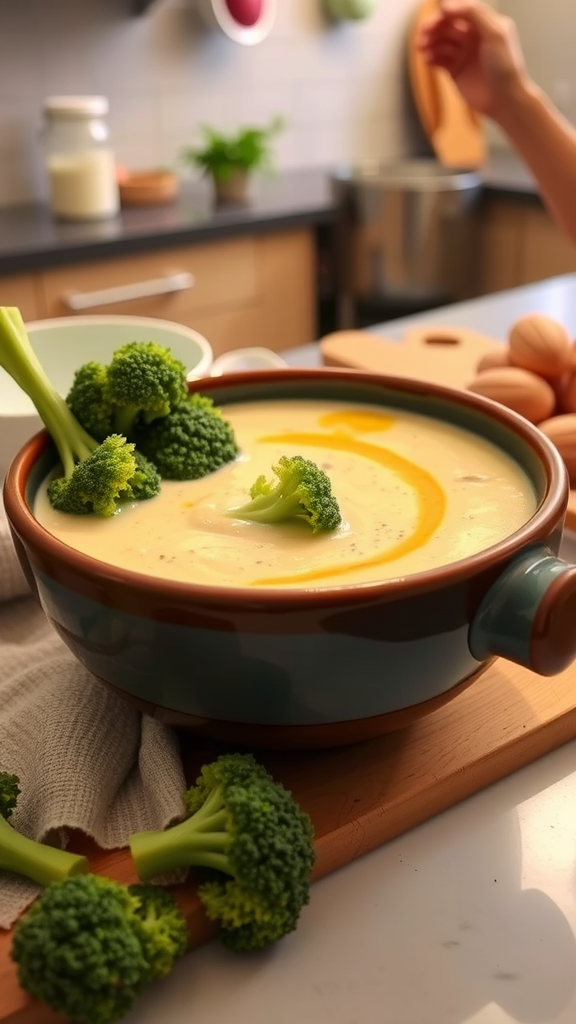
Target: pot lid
(76, 106)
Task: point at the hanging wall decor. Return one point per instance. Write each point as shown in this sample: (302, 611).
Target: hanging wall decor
(350, 10)
(244, 21)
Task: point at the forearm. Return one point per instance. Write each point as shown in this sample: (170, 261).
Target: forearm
(547, 145)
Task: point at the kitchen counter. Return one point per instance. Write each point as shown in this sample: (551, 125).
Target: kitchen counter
(468, 919)
(494, 314)
(491, 314)
(505, 176)
(30, 238)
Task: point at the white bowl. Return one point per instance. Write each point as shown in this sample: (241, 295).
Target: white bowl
(242, 359)
(65, 343)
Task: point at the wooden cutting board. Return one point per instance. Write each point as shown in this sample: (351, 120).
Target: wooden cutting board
(439, 355)
(453, 128)
(361, 796)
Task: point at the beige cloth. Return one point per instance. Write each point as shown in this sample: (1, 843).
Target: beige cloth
(86, 760)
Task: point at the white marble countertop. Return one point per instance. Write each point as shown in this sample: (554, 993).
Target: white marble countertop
(494, 314)
(467, 919)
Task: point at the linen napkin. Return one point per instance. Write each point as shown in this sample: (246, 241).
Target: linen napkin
(86, 759)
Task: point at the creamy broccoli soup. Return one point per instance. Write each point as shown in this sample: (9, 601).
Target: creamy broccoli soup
(414, 493)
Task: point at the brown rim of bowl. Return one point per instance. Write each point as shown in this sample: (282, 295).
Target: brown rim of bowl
(543, 521)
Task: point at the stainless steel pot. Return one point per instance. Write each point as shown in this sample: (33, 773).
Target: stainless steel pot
(406, 232)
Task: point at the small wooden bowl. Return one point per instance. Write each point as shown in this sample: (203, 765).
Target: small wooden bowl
(148, 188)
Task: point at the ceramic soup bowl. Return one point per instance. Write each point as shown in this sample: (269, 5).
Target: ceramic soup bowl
(306, 668)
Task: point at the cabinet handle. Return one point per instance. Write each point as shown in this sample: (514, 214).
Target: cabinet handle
(179, 282)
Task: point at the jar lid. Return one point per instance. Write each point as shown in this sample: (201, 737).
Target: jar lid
(76, 106)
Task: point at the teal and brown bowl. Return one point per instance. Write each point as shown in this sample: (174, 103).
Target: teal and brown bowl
(313, 668)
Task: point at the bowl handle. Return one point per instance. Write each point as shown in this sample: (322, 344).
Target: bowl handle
(529, 614)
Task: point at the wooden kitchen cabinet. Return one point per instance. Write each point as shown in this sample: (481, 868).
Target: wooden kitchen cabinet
(252, 290)
(547, 251)
(520, 243)
(500, 246)
(21, 290)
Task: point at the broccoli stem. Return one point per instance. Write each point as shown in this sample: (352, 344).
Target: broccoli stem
(199, 841)
(37, 861)
(124, 419)
(270, 508)
(19, 360)
(213, 804)
(158, 853)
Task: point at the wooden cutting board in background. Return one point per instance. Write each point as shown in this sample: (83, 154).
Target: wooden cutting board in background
(439, 355)
(453, 128)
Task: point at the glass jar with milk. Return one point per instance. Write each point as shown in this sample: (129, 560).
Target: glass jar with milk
(79, 158)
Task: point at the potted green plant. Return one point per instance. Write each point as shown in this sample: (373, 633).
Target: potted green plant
(230, 159)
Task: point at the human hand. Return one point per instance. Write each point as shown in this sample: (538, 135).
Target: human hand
(480, 50)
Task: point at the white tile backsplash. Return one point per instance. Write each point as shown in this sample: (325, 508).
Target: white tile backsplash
(547, 33)
(340, 88)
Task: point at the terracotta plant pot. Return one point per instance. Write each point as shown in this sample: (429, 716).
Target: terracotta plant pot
(233, 190)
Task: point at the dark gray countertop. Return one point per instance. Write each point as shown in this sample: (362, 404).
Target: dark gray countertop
(30, 238)
(505, 175)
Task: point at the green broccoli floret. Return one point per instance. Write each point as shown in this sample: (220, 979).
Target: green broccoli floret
(191, 442)
(143, 395)
(145, 382)
(96, 476)
(160, 927)
(110, 475)
(9, 793)
(144, 483)
(88, 400)
(90, 945)
(36, 861)
(244, 825)
(303, 493)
